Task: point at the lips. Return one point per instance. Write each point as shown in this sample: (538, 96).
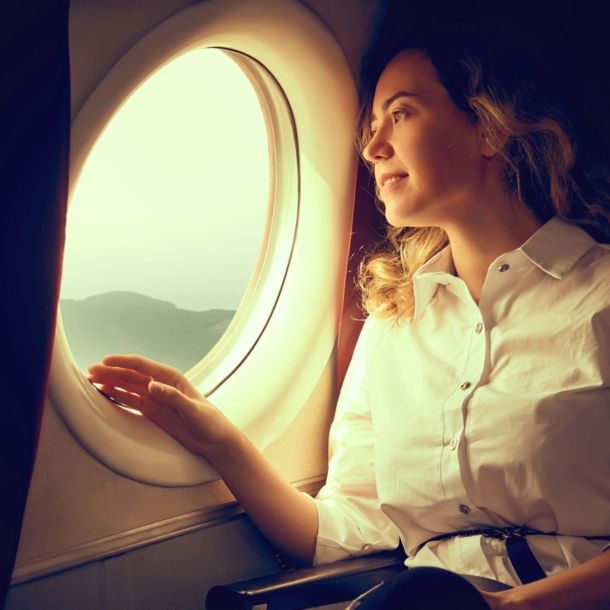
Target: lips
(388, 180)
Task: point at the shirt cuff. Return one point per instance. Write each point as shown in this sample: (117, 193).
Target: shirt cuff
(331, 529)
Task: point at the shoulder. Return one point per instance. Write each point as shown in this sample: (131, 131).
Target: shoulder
(587, 292)
(598, 252)
(376, 328)
(591, 274)
(373, 342)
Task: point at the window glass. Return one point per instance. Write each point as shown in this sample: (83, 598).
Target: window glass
(168, 218)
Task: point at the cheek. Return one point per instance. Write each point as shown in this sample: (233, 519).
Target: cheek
(451, 158)
(436, 159)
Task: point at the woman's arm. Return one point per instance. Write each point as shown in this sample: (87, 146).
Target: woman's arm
(162, 394)
(586, 587)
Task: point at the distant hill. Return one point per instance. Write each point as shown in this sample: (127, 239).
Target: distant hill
(131, 323)
(122, 298)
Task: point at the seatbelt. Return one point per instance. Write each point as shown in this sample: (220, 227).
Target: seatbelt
(521, 557)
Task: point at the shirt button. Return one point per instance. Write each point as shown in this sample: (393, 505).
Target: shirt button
(464, 509)
(478, 328)
(465, 385)
(503, 268)
(453, 443)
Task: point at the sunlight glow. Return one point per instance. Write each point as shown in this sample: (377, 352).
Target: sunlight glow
(172, 201)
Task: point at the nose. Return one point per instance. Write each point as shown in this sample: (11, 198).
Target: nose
(378, 147)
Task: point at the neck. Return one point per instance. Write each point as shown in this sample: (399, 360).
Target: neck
(475, 244)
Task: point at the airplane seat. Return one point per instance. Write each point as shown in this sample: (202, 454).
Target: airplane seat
(312, 587)
(309, 587)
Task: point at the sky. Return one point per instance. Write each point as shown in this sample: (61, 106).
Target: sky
(172, 201)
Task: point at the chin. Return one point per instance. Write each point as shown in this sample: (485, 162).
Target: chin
(397, 223)
(400, 213)
(416, 216)
(405, 220)
(394, 217)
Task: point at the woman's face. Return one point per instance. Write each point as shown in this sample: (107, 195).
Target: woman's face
(429, 166)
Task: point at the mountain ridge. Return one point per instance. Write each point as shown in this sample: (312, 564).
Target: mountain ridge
(120, 322)
(125, 298)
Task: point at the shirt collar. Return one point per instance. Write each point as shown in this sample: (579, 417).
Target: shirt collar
(438, 270)
(554, 248)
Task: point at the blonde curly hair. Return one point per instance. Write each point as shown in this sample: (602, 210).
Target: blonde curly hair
(524, 109)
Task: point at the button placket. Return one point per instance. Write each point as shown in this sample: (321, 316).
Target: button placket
(455, 406)
(476, 363)
(456, 409)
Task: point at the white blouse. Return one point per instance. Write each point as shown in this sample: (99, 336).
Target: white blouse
(486, 415)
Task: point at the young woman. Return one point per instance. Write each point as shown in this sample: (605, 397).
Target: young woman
(474, 422)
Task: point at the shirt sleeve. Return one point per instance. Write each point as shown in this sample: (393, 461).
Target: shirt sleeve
(350, 520)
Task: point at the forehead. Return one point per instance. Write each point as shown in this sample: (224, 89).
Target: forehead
(409, 72)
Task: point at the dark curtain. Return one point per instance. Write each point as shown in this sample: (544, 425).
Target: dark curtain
(34, 144)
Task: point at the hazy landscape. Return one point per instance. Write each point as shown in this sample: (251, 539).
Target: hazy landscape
(127, 322)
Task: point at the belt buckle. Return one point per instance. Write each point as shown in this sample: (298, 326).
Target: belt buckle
(504, 533)
(513, 532)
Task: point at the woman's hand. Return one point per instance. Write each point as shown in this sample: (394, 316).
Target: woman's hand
(507, 600)
(166, 397)
(585, 587)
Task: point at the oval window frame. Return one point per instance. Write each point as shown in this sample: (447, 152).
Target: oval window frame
(261, 383)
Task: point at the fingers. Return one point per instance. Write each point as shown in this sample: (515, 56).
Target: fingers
(132, 401)
(161, 372)
(159, 392)
(134, 388)
(137, 369)
(117, 373)
(145, 386)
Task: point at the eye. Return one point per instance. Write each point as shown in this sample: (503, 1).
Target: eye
(398, 114)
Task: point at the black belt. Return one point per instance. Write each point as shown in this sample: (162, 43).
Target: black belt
(521, 557)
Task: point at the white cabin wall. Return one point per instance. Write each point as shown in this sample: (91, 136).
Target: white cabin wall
(75, 502)
(102, 31)
(174, 574)
(354, 24)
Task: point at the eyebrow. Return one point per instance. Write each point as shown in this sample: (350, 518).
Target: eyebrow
(391, 99)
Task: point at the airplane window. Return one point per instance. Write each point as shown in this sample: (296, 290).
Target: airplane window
(212, 176)
(168, 216)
